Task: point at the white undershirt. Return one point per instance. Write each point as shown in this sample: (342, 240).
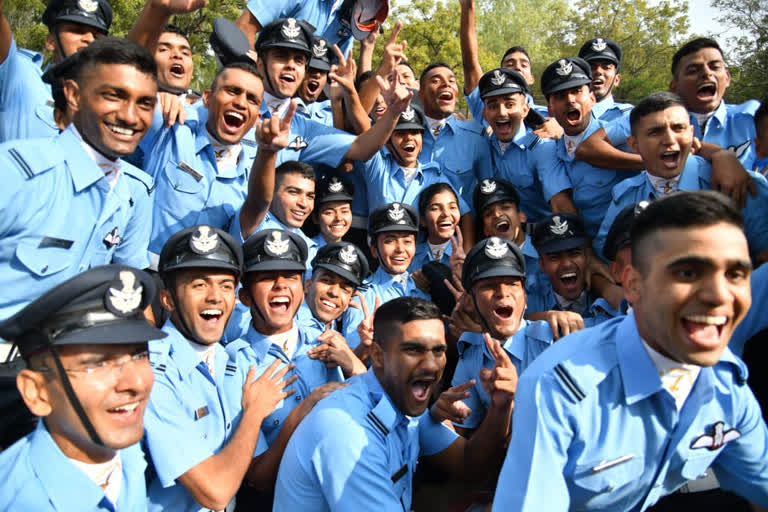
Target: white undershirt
(663, 186)
(107, 475)
(287, 341)
(277, 106)
(703, 118)
(438, 250)
(409, 173)
(226, 154)
(677, 378)
(207, 354)
(111, 168)
(572, 142)
(435, 124)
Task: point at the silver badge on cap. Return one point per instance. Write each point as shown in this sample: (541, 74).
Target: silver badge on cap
(348, 255)
(487, 187)
(558, 227)
(128, 298)
(496, 248)
(564, 68)
(497, 78)
(319, 49)
(205, 240)
(277, 246)
(88, 5)
(290, 29)
(408, 114)
(395, 212)
(335, 185)
(599, 44)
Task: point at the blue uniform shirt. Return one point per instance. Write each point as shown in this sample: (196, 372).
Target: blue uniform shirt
(258, 351)
(731, 127)
(319, 111)
(423, 255)
(190, 416)
(608, 109)
(26, 104)
(356, 451)
(58, 216)
(756, 319)
(696, 175)
(35, 475)
(308, 323)
(594, 429)
(530, 340)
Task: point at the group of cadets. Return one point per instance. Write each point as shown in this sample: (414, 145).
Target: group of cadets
(286, 290)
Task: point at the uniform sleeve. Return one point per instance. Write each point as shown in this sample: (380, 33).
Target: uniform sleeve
(133, 250)
(618, 130)
(154, 132)
(434, 437)
(550, 169)
(475, 104)
(532, 478)
(267, 11)
(610, 215)
(755, 215)
(465, 371)
(7, 68)
(351, 319)
(372, 171)
(325, 144)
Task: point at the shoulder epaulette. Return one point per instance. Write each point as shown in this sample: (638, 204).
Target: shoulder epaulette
(139, 175)
(568, 383)
(158, 354)
(30, 160)
(31, 55)
(534, 141)
(248, 142)
(749, 107)
(540, 330)
(382, 417)
(471, 126)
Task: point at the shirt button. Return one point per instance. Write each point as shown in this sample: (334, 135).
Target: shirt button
(228, 425)
(276, 422)
(298, 397)
(44, 269)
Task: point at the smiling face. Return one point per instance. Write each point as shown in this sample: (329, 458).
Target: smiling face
(409, 363)
(273, 298)
(285, 68)
(503, 219)
(501, 302)
(438, 91)
(505, 114)
(294, 199)
(567, 271)
(334, 220)
(233, 104)
(692, 292)
(520, 63)
(405, 76)
(113, 105)
(664, 140)
(394, 250)
(328, 295)
(605, 77)
(174, 60)
(406, 144)
(441, 217)
(313, 84)
(204, 300)
(72, 37)
(572, 108)
(701, 80)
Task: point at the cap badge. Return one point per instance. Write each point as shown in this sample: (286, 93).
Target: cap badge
(496, 248)
(204, 241)
(127, 299)
(290, 29)
(348, 255)
(277, 246)
(497, 78)
(319, 50)
(335, 185)
(88, 5)
(487, 187)
(408, 114)
(396, 213)
(599, 44)
(559, 227)
(564, 68)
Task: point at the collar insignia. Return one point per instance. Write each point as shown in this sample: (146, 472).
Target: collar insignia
(497, 78)
(718, 437)
(290, 29)
(564, 68)
(396, 213)
(348, 255)
(488, 187)
(496, 248)
(127, 299)
(558, 227)
(277, 246)
(204, 241)
(599, 44)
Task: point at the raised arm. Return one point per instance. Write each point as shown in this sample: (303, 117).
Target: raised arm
(598, 151)
(154, 17)
(469, 53)
(393, 53)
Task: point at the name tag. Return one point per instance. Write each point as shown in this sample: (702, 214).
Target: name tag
(190, 170)
(201, 412)
(50, 241)
(400, 473)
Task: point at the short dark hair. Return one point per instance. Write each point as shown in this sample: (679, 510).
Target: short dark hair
(692, 47)
(175, 29)
(401, 311)
(238, 64)
(431, 191)
(432, 66)
(114, 50)
(293, 167)
(363, 77)
(515, 49)
(760, 116)
(680, 210)
(406, 64)
(655, 102)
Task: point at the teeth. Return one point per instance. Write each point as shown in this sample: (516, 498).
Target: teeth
(281, 300)
(287, 77)
(568, 275)
(120, 130)
(127, 407)
(707, 319)
(212, 312)
(329, 305)
(235, 115)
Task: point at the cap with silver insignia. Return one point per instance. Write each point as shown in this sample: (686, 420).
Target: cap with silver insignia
(565, 74)
(492, 257)
(412, 118)
(618, 235)
(201, 246)
(601, 49)
(286, 33)
(559, 232)
(104, 305)
(322, 56)
(229, 43)
(501, 81)
(275, 249)
(493, 190)
(333, 188)
(92, 13)
(393, 217)
(344, 259)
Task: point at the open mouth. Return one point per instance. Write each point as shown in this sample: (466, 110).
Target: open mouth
(445, 97)
(177, 70)
(211, 315)
(446, 226)
(670, 159)
(421, 388)
(503, 312)
(280, 304)
(502, 227)
(329, 306)
(706, 92)
(380, 110)
(598, 82)
(287, 78)
(573, 115)
(233, 120)
(569, 280)
(704, 330)
(313, 86)
(299, 214)
(398, 261)
(125, 412)
(502, 126)
(409, 149)
(121, 131)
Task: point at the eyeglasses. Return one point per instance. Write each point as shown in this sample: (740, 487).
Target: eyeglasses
(104, 368)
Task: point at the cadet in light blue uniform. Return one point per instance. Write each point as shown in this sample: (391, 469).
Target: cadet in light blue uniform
(604, 56)
(359, 449)
(494, 273)
(315, 81)
(623, 413)
(24, 97)
(566, 83)
(333, 210)
(85, 453)
(439, 217)
(531, 164)
(392, 231)
(69, 207)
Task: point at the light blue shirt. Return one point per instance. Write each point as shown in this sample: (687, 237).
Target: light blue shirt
(423, 255)
(609, 109)
(319, 111)
(356, 451)
(191, 415)
(756, 319)
(696, 175)
(35, 475)
(594, 429)
(26, 103)
(731, 127)
(58, 216)
(260, 352)
(530, 340)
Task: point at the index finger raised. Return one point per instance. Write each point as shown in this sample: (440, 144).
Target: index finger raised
(395, 32)
(499, 354)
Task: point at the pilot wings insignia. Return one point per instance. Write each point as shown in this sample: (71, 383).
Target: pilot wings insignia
(496, 248)
(277, 246)
(559, 227)
(599, 44)
(290, 29)
(719, 437)
(204, 241)
(497, 78)
(348, 255)
(128, 298)
(396, 213)
(298, 143)
(740, 149)
(564, 68)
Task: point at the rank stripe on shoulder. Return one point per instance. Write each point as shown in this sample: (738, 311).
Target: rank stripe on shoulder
(377, 423)
(569, 383)
(21, 162)
(533, 143)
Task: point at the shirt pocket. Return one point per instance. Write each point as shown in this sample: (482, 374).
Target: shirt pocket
(696, 467)
(606, 483)
(44, 261)
(185, 178)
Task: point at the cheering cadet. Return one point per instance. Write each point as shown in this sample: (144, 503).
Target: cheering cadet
(604, 56)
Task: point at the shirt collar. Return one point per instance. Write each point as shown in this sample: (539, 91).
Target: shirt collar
(639, 375)
(516, 343)
(384, 409)
(185, 357)
(601, 107)
(85, 171)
